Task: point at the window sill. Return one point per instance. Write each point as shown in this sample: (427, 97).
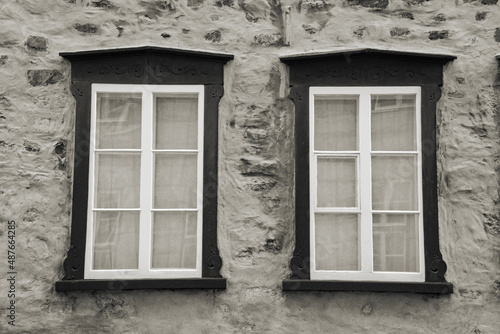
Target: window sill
(141, 284)
(418, 287)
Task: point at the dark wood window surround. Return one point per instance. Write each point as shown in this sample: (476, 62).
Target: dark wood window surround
(148, 66)
(367, 67)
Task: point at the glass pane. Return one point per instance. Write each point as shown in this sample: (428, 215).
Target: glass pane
(395, 242)
(335, 123)
(394, 182)
(393, 123)
(337, 242)
(337, 182)
(177, 122)
(118, 180)
(174, 240)
(116, 240)
(118, 121)
(175, 181)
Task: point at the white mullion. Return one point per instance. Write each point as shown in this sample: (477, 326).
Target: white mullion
(366, 235)
(199, 184)
(313, 179)
(146, 181)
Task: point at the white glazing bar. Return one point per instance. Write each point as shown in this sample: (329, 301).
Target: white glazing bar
(366, 244)
(146, 181)
(117, 209)
(397, 212)
(174, 210)
(394, 153)
(339, 153)
(175, 151)
(338, 210)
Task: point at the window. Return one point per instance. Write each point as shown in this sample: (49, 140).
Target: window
(145, 203)
(145, 170)
(366, 172)
(366, 198)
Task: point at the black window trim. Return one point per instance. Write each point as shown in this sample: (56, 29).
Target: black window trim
(355, 68)
(144, 65)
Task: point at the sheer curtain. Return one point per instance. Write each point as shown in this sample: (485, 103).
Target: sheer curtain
(118, 174)
(175, 185)
(394, 183)
(117, 181)
(337, 241)
(336, 123)
(335, 132)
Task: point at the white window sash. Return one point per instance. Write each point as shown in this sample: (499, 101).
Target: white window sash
(364, 207)
(146, 209)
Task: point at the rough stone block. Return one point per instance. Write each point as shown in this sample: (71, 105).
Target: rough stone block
(255, 122)
(399, 32)
(195, 3)
(257, 167)
(407, 15)
(273, 245)
(359, 32)
(256, 135)
(44, 77)
(481, 16)
(492, 224)
(309, 29)
(87, 28)
(221, 3)
(255, 9)
(316, 5)
(268, 40)
(262, 184)
(37, 43)
(442, 34)
(214, 36)
(439, 17)
(31, 146)
(380, 4)
(497, 35)
(415, 2)
(103, 4)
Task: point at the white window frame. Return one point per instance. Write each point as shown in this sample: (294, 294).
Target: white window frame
(147, 183)
(364, 208)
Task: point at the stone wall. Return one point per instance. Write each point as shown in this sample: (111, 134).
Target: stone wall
(256, 197)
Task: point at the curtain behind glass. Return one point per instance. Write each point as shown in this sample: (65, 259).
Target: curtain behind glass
(117, 181)
(175, 184)
(176, 122)
(336, 123)
(337, 241)
(118, 121)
